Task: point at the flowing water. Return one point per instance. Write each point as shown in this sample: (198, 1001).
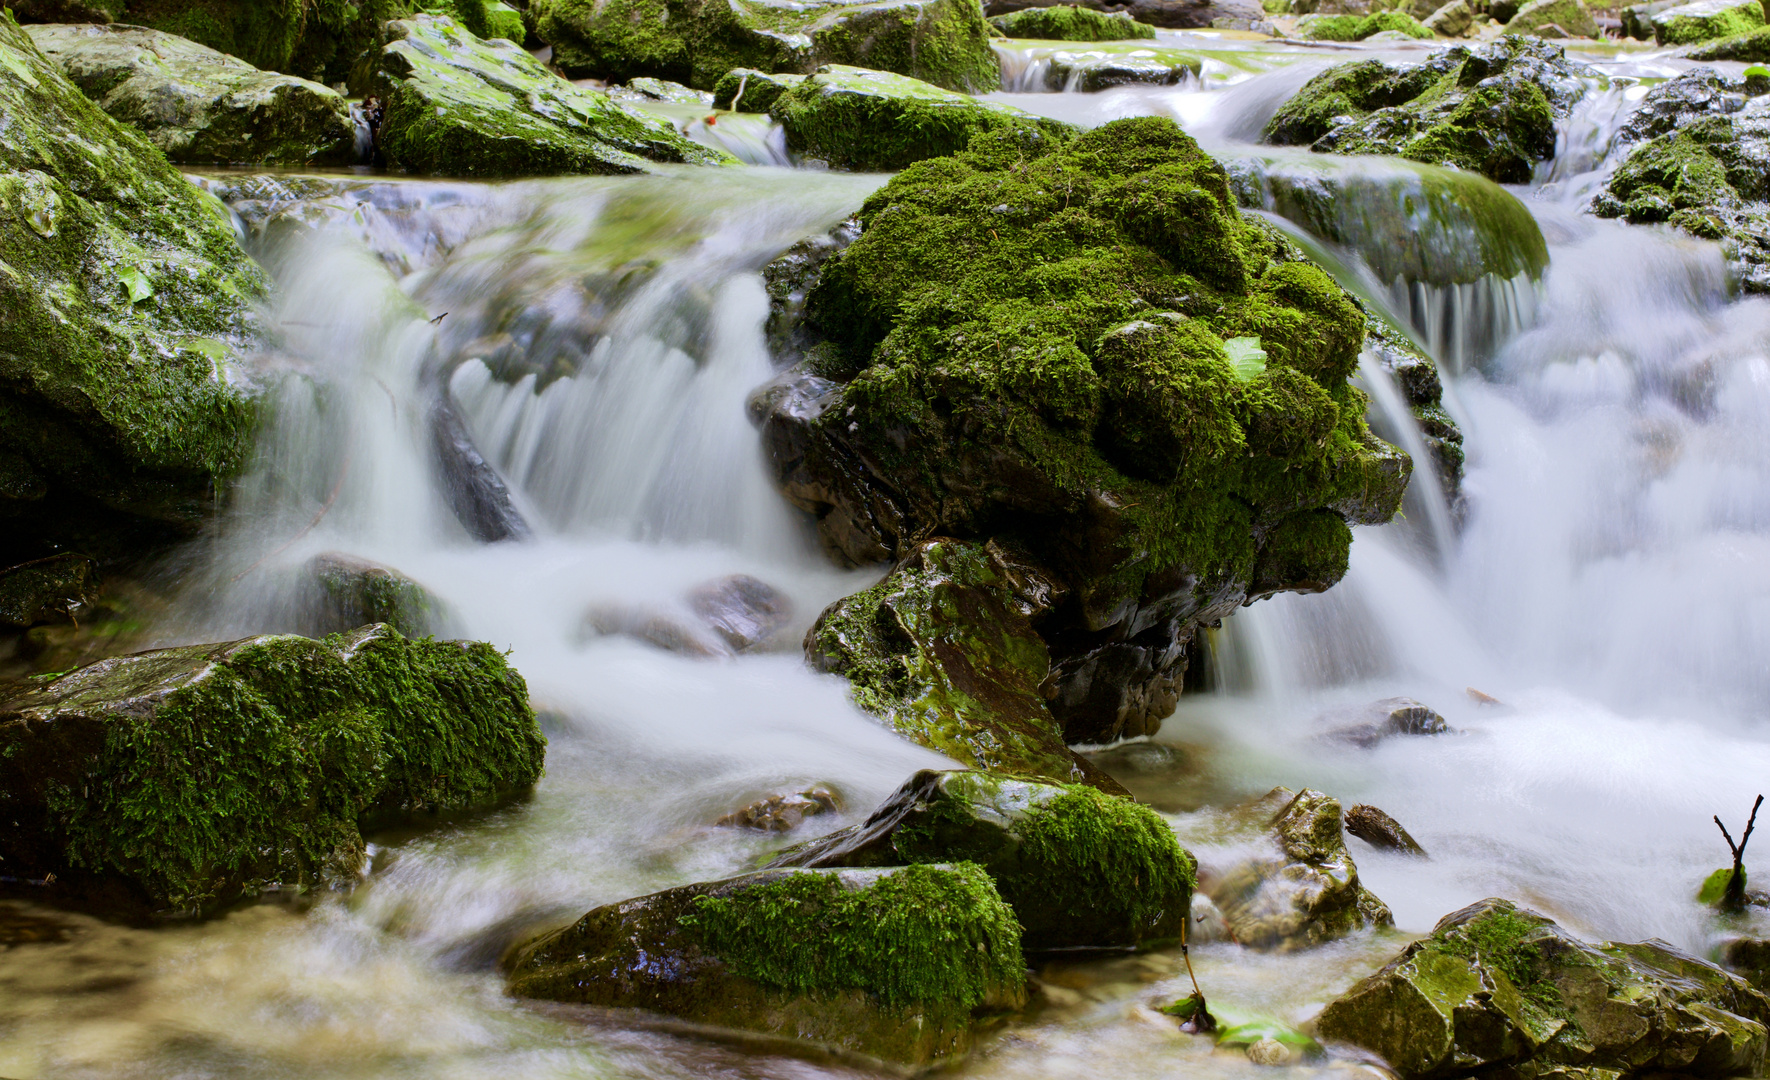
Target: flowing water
(1606, 586)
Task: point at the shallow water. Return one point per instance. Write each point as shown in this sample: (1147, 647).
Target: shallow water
(1609, 584)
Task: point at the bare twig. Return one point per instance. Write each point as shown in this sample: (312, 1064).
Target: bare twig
(1733, 899)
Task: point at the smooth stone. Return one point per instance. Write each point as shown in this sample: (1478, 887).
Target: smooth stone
(1381, 831)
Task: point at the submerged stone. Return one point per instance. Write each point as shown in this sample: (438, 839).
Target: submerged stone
(1096, 69)
(1067, 22)
(894, 963)
(1490, 110)
(125, 306)
(944, 42)
(1080, 868)
(199, 106)
(180, 780)
(460, 106)
(780, 813)
(1368, 725)
(854, 118)
(1706, 20)
(1496, 986)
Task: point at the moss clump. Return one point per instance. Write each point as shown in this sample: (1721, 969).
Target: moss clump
(1707, 20)
(751, 91)
(1507, 942)
(1570, 15)
(922, 935)
(257, 760)
(1066, 22)
(1750, 48)
(873, 120)
(1357, 28)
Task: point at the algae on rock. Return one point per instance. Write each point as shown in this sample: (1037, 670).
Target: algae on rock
(1537, 16)
(180, 780)
(1357, 28)
(1751, 48)
(1080, 868)
(1067, 22)
(460, 106)
(1707, 20)
(894, 963)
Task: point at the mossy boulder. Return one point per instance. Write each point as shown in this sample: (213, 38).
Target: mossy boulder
(180, 780)
(1570, 16)
(1706, 20)
(1067, 22)
(1693, 95)
(343, 592)
(942, 650)
(1750, 48)
(1291, 884)
(199, 106)
(1080, 868)
(895, 964)
(749, 90)
(1357, 28)
(461, 106)
(1498, 987)
(945, 42)
(1490, 110)
(1110, 64)
(865, 120)
(1082, 350)
(125, 307)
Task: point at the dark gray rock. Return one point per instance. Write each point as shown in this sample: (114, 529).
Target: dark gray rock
(1368, 725)
(1379, 830)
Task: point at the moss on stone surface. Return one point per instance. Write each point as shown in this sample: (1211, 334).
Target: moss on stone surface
(1707, 20)
(944, 42)
(1750, 48)
(460, 106)
(866, 120)
(1066, 22)
(1570, 15)
(1490, 110)
(1359, 27)
(204, 774)
(751, 91)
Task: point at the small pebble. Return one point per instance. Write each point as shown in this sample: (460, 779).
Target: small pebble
(1269, 1052)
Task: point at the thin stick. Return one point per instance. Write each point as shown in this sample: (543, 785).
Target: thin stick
(1201, 1016)
(1733, 898)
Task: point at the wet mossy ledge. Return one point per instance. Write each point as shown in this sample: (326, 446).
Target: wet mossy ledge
(1067, 22)
(894, 964)
(1080, 351)
(175, 782)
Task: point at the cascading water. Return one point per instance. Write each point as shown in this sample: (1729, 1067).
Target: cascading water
(1609, 584)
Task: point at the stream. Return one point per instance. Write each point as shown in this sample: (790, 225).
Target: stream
(1604, 583)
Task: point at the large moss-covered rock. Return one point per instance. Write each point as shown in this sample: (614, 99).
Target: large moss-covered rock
(749, 90)
(945, 42)
(1292, 884)
(460, 106)
(1569, 16)
(199, 106)
(183, 779)
(1358, 27)
(1080, 868)
(1067, 22)
(1490, 110)
(1706, 20)
(942, 650)
(892, 963)
(342, 592)
(1498, 987)
(1084, 351)
(1751, 48)
(125, 305)
(873, 120)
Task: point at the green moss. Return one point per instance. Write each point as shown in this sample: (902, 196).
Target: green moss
(751, 91)
(924, 935)
(1329, 27)
(1750, 48)
(1682, 170)
(1714, 887)
(1507, 942)
(264, 33)
(1397, 21)
(1066, 22)
(1684, 26)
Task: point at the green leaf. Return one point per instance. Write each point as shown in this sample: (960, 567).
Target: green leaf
(140, 288)
(1246, 357)
(1714, 886)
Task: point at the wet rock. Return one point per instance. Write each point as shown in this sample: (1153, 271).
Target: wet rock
(646, 89)
(1706, 20)
(1636, 21)
(875, 121)
(944, 42)
(125, 306)
(752, 91)
(668, 630)
(460, 106)
(1170, 14)
(1417, 377)
(1068, 22)
(58, 588)
(472, 488)
(780, 813)
(354, 592)
(199, 106)
(1379, 830)
(744, 612)
(1268, 1051)
(1569, 17)
(1490, 110)
(1749, 958)
(1093, 70)
(1496, 986)
(180, 780)
(1677, 102)
(1319, 27)
(1451, 20)
(1067, 393)
(1080, 868)
(1367, 726)
(939, 651)
(895, 963)
(1304, 891)
(1751, 48)
(789, 279)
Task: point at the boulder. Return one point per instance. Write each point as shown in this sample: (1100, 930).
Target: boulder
(56, 588)
(1706, 20)
(945, 42)
(1320, 27)
(1368, 725)
(875, 121)
(1691, 96)
(180, 780)
(126, 305)
(1081, 353)
(199, 106)
(1104, 67)
(1498, 987)
(1750, 48)
(1568, 16)
(942, 650)
(780, 813)
(1080, 868)
(460, 106)
(1304, 889)
(742, 611)
(1067, 22)
(1452, 20)
(749, 90)
(894, 963)
(1169, 14)
(1490, 110)
(348, 592)
(1379, 830)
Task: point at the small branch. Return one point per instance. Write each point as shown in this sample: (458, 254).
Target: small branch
(1733, 898)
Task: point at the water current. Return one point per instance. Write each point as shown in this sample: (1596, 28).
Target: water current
(1604, 583)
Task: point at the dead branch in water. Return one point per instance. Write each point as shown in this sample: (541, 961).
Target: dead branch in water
(1733, 899)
